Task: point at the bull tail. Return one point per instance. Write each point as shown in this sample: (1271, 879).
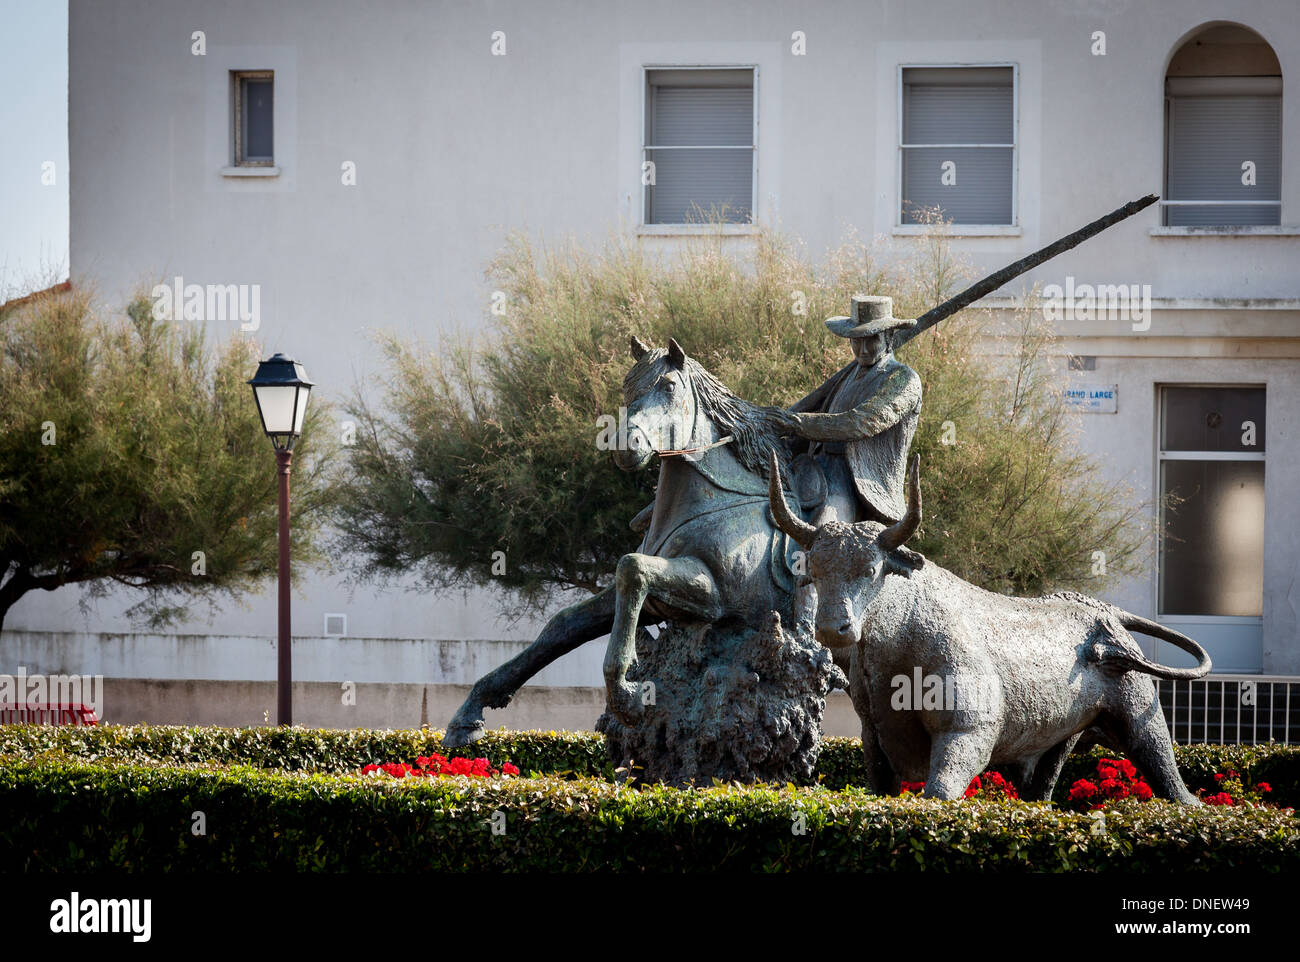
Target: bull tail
(1127, 662)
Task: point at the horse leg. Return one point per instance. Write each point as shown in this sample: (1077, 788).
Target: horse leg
(570, 628)
(684, 584)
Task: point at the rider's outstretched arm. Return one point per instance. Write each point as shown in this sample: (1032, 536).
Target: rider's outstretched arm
(897, 398)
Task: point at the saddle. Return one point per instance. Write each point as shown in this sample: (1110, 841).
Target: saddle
(808, 482)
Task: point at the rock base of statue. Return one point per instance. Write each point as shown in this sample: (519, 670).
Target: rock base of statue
(733, 704)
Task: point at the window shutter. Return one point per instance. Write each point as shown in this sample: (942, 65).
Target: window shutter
(1210, 135)
(958, 106)
(952, 114)
(716, 126)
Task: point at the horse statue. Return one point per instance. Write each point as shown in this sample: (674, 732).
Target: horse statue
(715, 566)
(711, 553)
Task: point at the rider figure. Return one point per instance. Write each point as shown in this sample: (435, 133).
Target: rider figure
(857, 426)
(860, 422)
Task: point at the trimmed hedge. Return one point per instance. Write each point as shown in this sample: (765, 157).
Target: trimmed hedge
(564, 754)
(573, 754)
(114, 816)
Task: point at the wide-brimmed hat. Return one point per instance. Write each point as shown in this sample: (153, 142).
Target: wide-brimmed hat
(871, 314)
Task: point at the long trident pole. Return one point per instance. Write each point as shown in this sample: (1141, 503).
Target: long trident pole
(994, 281)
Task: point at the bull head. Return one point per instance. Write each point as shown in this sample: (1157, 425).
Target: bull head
(848, 562)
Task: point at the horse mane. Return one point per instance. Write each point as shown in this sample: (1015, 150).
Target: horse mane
(745, 422)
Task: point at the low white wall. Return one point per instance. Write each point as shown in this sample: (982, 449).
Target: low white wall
(154, 701)
(397, 683)
(253, 658)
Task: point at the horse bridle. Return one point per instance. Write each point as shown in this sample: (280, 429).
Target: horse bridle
(682, 452)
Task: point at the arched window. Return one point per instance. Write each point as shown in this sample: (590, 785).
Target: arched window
(1223, 130)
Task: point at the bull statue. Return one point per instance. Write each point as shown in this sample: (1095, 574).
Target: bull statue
(953, 679)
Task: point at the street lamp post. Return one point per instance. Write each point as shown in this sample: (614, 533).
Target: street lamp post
(281, 389)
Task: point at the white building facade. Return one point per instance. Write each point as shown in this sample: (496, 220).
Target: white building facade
(361, 164)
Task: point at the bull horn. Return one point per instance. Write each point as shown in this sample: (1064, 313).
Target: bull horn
(639, 348)
(896, 534)
(801, 531)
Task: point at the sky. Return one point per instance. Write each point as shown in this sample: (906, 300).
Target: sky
(33, 145)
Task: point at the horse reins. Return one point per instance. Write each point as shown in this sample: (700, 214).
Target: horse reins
(708, 447)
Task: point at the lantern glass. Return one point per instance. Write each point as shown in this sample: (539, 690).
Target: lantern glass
(277, 403)
(300, 408)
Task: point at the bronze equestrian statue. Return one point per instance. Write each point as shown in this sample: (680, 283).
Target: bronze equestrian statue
(697, 566)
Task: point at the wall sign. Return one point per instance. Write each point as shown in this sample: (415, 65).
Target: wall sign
(1093, 398)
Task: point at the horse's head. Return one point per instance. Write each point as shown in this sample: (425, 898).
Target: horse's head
(661, 405)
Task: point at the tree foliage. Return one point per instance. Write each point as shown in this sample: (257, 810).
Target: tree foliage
(489, 445)
(126, 446)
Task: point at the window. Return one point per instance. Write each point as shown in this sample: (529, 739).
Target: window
(254, 128)
(699, 149)
(1224, 161)
(957, 144)
(1212, 463)
(1223, 131)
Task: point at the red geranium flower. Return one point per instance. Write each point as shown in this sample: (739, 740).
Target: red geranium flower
(1117, 778)
(433, 765)
(1082, 789)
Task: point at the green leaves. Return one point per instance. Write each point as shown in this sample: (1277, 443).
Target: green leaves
(559, 754)
(297, 821)
(488, 445)
(131, 453)
(568, 756)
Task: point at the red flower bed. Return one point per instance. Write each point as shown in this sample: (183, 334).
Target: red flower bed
(990, 785)
(434, 765)
(1116, 778)
(1233, 790)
